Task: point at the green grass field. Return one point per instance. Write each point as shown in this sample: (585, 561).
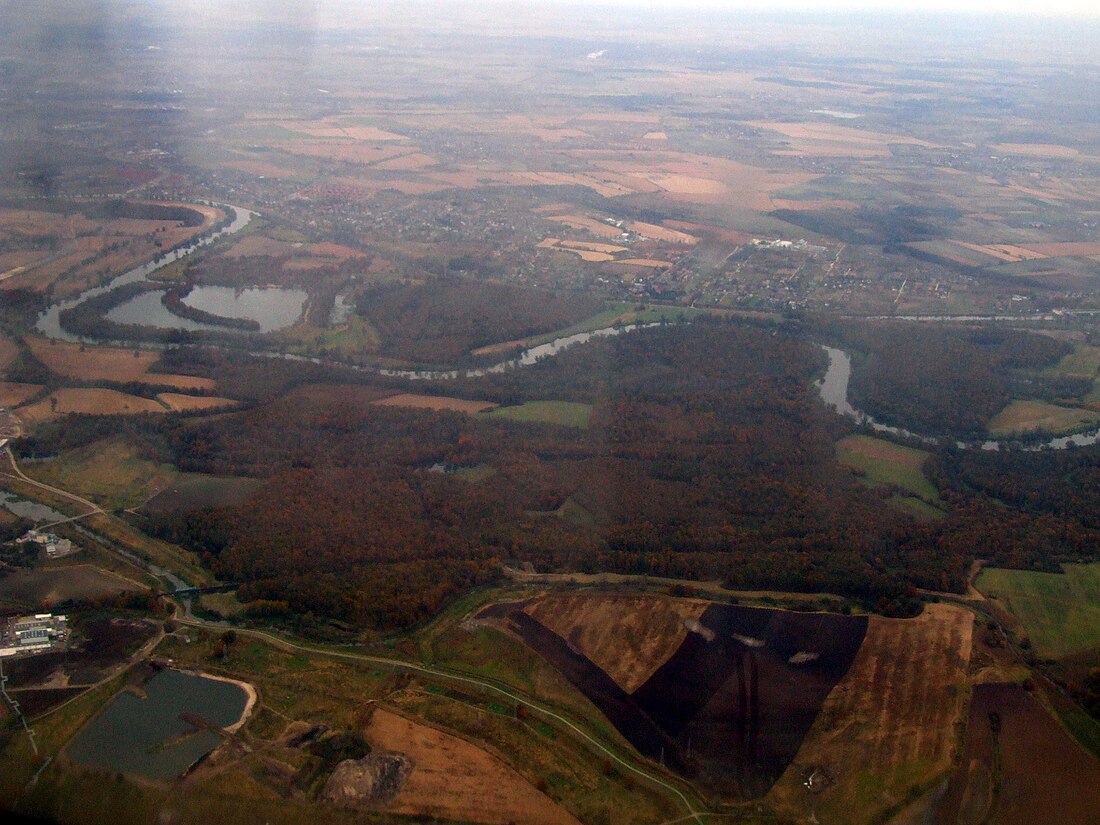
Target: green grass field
(1083, 362)
(1059, 613)
(477, 474)
(918, 508)
(624, 313)
(565, 413)
(885, 463)
(111, 472)
(1029, 416)
(356, 337)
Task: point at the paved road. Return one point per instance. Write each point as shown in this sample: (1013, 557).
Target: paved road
(93, 508)
(189, 620)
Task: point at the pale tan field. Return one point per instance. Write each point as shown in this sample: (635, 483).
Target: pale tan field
(889, 724)
(179, 402)
(1002, 252)
(1026, 416)
(1041, 194)
(407, 163)
(730, 236)
(661, 233)
(455, 780)
(88, 402)
(85, 250)
(651, 263)
(347, 151)
(12, 395)
(687, 185)
(546, 129)
(591, 255)
(1042, 150)
(435, 402)
(1063, 250)
(595, 227)
(12, 263)
(609, 186)
(655, 136)
(620, 117)
(699, 178)
(332, 129)
(607, 248)
(629, 636)
(828, 139)
(812, 205)
(33, 223)
(108, 364)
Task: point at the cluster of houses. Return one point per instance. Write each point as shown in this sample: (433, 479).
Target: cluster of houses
(55, 546)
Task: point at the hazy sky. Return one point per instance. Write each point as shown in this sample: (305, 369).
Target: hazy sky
(1027, 7)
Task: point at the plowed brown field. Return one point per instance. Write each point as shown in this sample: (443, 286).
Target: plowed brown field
(455, 780)
(627, 636)
(12, 395)
(88, 402)
(108, 364)
(889, 724)
(1019, 767)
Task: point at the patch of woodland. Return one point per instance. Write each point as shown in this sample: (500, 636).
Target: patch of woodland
(944, 380)
(442, 321)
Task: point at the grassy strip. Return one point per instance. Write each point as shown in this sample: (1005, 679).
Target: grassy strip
(1060, 613)
(563, 413)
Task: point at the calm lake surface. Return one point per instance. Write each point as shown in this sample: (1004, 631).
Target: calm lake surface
(148, 737)
(29, 509)
(49, 322)
(271, 307)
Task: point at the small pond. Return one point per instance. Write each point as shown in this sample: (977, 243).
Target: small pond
(272, 308)
(154, 735)
(31, 510)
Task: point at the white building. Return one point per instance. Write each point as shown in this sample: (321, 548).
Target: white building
(32, 634)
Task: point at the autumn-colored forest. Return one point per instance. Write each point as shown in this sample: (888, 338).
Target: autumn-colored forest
(708, 455)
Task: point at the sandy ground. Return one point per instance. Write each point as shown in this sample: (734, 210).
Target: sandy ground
(250, 702)
(453, 779)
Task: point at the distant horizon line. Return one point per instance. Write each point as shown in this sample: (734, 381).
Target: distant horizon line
(781, 8)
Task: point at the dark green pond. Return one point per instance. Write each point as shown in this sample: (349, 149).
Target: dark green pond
(148, 736)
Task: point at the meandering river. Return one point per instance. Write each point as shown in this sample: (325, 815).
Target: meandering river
(49, 321)
(833, 387)
(834, 392)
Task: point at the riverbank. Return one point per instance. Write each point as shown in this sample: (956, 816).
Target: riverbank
(249, 691)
